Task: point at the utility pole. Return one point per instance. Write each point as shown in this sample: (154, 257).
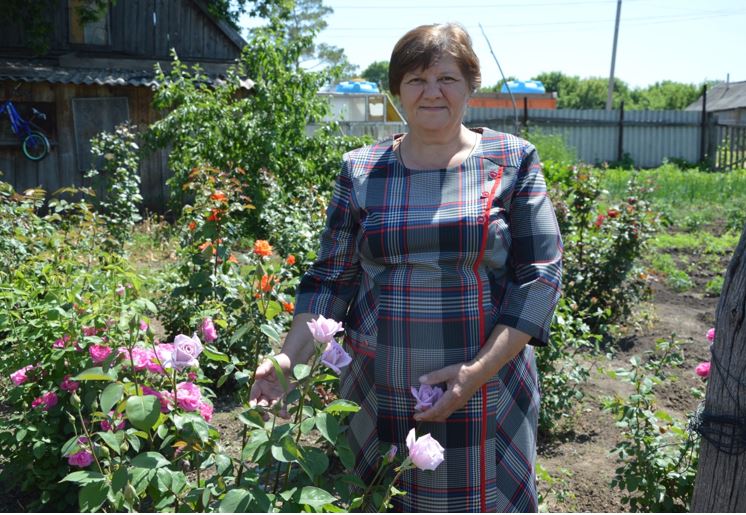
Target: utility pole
(613, 55)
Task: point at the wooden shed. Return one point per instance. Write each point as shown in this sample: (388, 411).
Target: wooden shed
(101, 74)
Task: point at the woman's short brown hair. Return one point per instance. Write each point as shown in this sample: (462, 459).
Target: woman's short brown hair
(419, 48)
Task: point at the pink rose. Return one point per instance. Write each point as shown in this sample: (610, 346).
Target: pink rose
(116, 423)
(188, 396)
(68, 385)
(426, 396)
(47, 400)
(143, 325)
(208, 330)
(425, 452)
(89, 331)
(120, 290)
(80, 459)
(324, 329)
(205, 410)
(711, 334)
(165, 398)
(99, 353)
(335, 357)
(703, 369)
(20, 376)
(186, 350)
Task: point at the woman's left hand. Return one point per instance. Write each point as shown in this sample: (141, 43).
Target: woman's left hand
(462, 383)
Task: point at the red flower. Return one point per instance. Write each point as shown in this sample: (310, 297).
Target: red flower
(232, 259)
(289, 307)
(262, 248)
(206, 244)
(192, 225)
(215, 215)
(218, 196)
(290, 261)
(266, 283)
(613, 213)
(599, 221)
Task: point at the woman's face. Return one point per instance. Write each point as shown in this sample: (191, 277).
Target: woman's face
(434, 99)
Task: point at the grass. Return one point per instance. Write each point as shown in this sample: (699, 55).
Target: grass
(674, 276)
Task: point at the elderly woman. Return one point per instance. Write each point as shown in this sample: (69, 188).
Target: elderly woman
(443, 257)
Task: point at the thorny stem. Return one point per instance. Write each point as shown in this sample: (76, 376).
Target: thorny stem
(388, 490)
(239, 472)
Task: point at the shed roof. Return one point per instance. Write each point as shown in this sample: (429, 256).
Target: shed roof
(723, 97)
(48, 70)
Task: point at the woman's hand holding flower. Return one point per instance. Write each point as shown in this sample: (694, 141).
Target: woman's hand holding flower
(462, 383)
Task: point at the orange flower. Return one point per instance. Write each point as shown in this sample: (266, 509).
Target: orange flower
(232, 259)
(289, 307)
(266, 284)
(192, 225)
(290, 261)
(206, 244)
(214, 216)
(218, 196)
(262, 248)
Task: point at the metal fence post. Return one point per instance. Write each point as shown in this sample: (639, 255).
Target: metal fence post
(620, 147)
(703, 151)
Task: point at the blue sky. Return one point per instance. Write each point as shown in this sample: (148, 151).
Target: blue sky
(681, 40)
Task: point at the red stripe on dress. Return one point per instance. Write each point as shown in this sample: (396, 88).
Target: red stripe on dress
(480, 289)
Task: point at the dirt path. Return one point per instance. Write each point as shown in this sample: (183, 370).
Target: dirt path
(584, 451)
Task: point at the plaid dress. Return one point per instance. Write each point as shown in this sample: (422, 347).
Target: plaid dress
(421, 265)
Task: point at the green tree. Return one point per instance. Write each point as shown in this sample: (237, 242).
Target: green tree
(303, 20)
(665, 95)
(576, 93)
(378, 72)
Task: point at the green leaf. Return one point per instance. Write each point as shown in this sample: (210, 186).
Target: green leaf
(346, 456)
(83, 477)
(270, 332)
(273, 309)
(256, 447)
(315, 497)
(307, 425)
(196, 428)
(328, 426)
(113, 440)
(301, 371)
(119, 480)
(342, 406)
(214, 354)
(280, 453)
(252, 418)
(280, 374)
(237, 500)
(143, 411)
(111, 395)
(94, 374)
(150, 460)
(92, 496)
(21, 434)
(314, 462)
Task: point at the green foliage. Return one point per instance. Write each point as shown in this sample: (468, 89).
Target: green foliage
(119, 154)
(559, 369)
(658, 457)
(591, 93)
(556, 155)
(378, 72)
(602, 246)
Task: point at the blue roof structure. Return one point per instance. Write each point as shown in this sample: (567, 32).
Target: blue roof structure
(524, 87)
(350, 86)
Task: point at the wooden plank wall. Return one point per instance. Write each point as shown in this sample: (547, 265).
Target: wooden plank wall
(61, 167)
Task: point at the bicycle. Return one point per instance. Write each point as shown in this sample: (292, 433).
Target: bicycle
(34, 142)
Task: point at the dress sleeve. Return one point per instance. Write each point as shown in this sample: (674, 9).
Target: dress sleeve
(534, 284)
(331, 282)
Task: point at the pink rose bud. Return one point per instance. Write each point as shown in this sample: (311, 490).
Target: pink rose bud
(703, 369)
(46, 400)
(425, 452)
(80, 459)
(143, 325)
(390, 454)
(711, 334)
(335, 357)
(205, 410)
(324, 329)
(208, 330)
(426, 396)
(20, 376)
(99, 353)
(120, 290)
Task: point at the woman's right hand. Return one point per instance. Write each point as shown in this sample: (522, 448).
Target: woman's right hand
(267, 388)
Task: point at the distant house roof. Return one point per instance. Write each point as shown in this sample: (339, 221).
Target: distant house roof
(723, 97)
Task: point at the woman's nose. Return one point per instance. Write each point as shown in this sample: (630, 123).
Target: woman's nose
(432, 89)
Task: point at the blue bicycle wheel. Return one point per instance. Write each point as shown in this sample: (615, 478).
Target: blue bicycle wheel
(35, 146)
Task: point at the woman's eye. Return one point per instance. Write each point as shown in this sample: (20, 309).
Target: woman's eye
(448, 79)
(414, 81)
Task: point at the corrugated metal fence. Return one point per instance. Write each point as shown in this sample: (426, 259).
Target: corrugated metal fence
(647, 137)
